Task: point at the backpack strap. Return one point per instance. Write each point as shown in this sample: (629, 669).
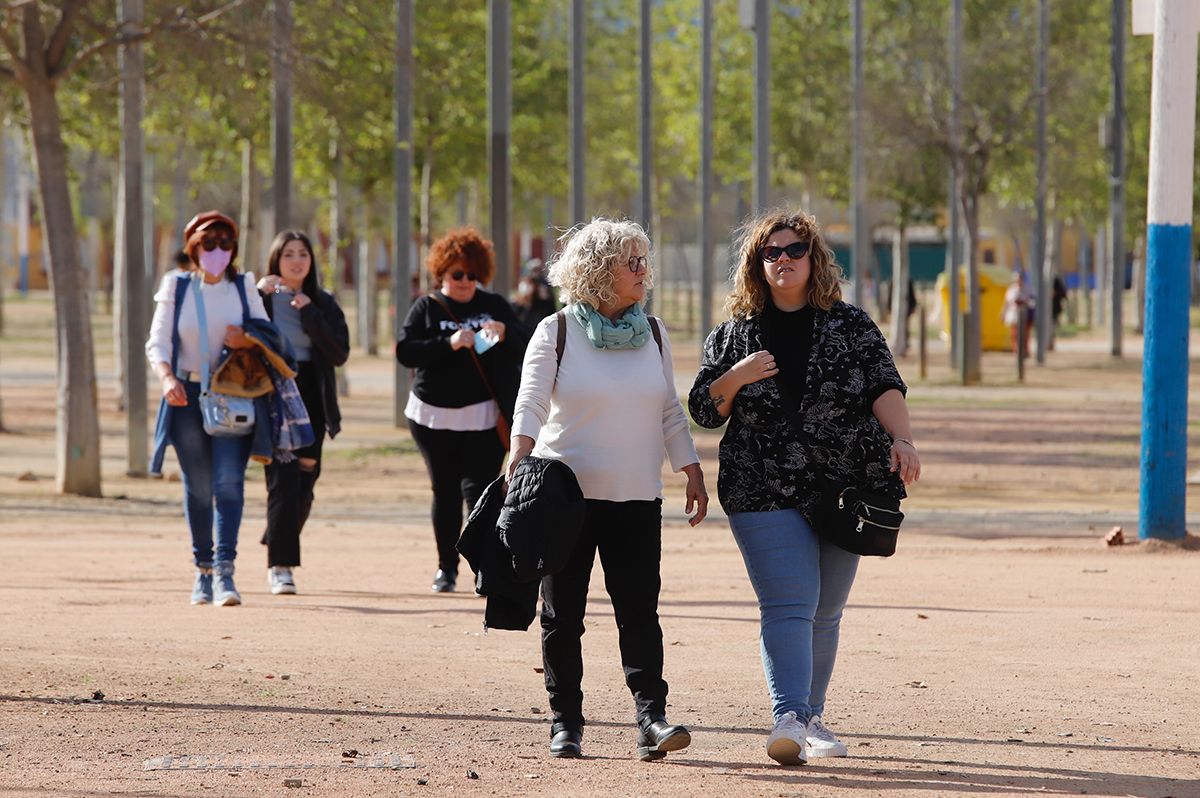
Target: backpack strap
(657, 333)
(240, 282)
(181, 287)
(561, 343)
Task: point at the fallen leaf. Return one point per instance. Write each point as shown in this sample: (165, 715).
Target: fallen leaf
(923, 617)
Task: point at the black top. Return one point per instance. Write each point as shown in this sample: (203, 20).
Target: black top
(445, 377)
(778, 454)
(789, 340)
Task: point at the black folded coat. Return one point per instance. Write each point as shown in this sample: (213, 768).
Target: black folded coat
(513, 539)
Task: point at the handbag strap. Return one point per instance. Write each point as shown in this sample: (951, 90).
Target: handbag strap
(202, 320)
(471, 352)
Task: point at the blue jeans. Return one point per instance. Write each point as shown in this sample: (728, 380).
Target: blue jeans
(802, 583)
(214, 472)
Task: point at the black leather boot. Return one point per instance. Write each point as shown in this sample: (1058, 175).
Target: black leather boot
(566, 741)
(656, 737)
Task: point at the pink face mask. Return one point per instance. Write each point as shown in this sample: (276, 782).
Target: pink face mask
(214, 262)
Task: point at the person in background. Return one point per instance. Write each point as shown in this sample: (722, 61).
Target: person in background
(314, 324)
(214, 468)
(812, 397)
(1018, 310)
(609, 411)
(535, 298)
(465, 347)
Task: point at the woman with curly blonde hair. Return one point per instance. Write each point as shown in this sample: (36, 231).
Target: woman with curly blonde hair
(465, 347)
(598, 393)
(812, 398)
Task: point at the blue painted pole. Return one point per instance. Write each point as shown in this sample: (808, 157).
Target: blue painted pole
(1163, 477)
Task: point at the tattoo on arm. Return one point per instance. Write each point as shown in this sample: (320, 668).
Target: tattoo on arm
(718, 400)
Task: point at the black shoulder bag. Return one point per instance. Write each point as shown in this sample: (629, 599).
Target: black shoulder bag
(848, 516)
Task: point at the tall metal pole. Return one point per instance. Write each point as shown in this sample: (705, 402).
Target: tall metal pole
(281, 125)
(862, 234)
(1116, 180)
(646, 126)
(402, 96)
(576, 100)
(646, 129)
(132, 96)
(762, 104)
(706, 171)
(1038, 266)
(954, 261)
(499, 116)
(1163, 495)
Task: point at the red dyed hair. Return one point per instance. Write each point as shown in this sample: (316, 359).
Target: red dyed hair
(462, 249)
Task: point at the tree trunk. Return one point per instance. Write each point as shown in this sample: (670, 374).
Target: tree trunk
(78, 443)
(248, 243)
(368, 320)
(900, 288)
(426, 234)
(179, 197)
(117, 293)
(972, 328)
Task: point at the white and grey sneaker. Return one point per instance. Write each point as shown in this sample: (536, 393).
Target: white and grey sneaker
(820, 741)
(785, 743)
(280, 579)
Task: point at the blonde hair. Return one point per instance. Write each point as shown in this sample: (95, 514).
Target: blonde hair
(583, 268)
(750, 290)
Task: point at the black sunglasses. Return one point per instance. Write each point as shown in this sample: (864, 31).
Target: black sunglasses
(210, 244)
(638, 263)
(794, 251)
(459, 274)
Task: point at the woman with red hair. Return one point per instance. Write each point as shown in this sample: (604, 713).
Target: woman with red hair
(465, 347)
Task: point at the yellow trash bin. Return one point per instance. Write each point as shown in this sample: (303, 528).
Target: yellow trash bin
(993, 282)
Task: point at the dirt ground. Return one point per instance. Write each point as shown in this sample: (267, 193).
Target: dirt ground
(1003, 651)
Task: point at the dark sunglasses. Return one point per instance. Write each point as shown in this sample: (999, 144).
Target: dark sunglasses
(794, 251)
(210, 244)
(459, 274)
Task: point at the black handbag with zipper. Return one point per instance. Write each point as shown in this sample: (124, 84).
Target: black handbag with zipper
(858, 521)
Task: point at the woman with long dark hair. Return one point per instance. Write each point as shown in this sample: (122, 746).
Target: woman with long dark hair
(316, 327)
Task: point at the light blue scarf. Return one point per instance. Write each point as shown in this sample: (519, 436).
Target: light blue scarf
(630, 332)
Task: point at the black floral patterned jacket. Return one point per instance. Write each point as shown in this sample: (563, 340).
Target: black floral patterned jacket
(774, 456)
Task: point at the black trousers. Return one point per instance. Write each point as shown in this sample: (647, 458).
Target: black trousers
(628, 536)
(290, 487)
(460, 466)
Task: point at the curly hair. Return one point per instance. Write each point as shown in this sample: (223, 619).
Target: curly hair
(750, 290)
(583, 268)
(464, 249)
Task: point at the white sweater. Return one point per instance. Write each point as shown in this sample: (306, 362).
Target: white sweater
(221, 307)
(610, 416)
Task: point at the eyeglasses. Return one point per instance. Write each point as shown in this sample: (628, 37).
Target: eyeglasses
(794, 251)
(459, 274)
(210, 244)
(638, 263)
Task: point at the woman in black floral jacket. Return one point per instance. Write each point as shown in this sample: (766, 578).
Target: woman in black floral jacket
(812, 398)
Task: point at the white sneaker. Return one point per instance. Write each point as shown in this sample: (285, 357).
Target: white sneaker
(820, 741)
(785, 743)
(280, 579)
